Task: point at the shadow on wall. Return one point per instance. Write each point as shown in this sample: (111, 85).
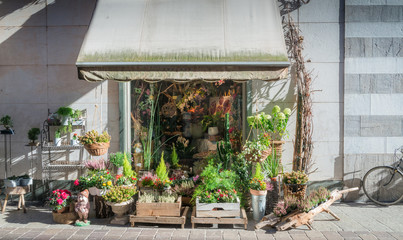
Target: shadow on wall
(39, 45)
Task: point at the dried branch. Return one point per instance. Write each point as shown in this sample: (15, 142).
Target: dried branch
(303, 146)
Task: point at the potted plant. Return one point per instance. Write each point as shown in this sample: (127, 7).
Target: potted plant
(76, 117)
(13, 181)
(58, 138)
(96, 144)
(74, 139)
(184, 189)
(162, 181)
(7, 124)
(117, 159)
(120, 198)
(65, 114)
(258, 189)
(174, 158)
(272, 127)
(33, 134)
(155, 204)
(212, 123)
(96, 181)
(256, 150)
(62, 208)
(60, 200)
(147, 182)
(271, 169)
(25, 180)
(295, 184)
(217, 191)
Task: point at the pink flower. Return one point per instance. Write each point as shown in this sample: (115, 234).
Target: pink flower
(59, 201)
(64, 195)
(76, 182)
(219, 190)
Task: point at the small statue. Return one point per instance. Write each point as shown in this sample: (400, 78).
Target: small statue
(82, 208)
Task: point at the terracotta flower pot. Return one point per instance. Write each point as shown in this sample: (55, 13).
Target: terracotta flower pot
(97, 149)
(258, 193)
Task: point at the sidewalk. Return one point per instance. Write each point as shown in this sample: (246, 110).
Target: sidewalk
(358, 221)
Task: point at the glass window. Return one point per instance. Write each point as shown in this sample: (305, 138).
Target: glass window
(189, 116)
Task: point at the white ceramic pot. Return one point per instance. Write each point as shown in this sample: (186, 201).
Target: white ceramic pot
(58, 141)
(96, 191)
(212, 131)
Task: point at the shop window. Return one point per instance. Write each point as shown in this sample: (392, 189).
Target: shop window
(189, 116)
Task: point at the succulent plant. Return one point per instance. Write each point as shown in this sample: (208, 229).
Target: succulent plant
(94, 137)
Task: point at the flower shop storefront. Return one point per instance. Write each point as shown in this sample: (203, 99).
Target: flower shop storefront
(183, 68)
(183, 65)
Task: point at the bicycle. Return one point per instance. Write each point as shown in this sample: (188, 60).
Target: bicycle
(384, 184)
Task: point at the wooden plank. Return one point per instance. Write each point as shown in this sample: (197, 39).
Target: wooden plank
(161, 219)
(218, 214)
(17, 190)
(159, 209)
(211, 206)
(217, 220)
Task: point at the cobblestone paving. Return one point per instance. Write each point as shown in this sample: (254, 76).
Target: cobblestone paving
(358, 221)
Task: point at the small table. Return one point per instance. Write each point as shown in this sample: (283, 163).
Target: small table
(21, 190)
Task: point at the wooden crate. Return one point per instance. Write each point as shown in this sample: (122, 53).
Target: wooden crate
(159, 209)
(161, 220)
(243, 219)
(218, 209)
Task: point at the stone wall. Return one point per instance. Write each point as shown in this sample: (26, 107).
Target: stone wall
(373, 86)
(39, 44)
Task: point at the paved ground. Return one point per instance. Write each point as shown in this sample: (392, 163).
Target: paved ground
(358, 221)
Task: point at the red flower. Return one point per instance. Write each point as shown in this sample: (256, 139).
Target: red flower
(59, 201)
(76, 182)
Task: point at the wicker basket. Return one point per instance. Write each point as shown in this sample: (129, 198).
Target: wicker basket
(278, 146)
(295, 190)
(265, 154)
(97, 149)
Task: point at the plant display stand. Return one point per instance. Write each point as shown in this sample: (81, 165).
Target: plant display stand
(21, 191)
(297, 219)
(243, 219)
(159, 209)
(220, 210)
(161, 219)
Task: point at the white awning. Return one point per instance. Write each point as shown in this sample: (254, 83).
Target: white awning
(184, 40)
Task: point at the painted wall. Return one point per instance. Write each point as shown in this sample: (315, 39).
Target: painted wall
(39, 44)
(322, 25)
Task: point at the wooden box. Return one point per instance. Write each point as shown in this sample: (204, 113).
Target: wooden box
(218, 210)
(159, 209)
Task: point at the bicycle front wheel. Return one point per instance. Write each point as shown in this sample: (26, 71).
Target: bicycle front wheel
(383, 185)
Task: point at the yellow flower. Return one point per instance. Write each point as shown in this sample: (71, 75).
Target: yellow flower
(109, 183)
(103, 184)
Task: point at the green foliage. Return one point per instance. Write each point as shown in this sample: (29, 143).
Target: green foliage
(258, 172)
(214, 120)
(94, 137)
(272, 126)
(65, 111)
(119, 194)
(57, 133)
(224, 148)
(174, 157)
(162, 169)
(127, 167)
(77, 114)
(214, 180)
(271, 166)
(295, 177)
(33, 134)
(117, 158)
(242, 170)
(6, 121)
(101, 179)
